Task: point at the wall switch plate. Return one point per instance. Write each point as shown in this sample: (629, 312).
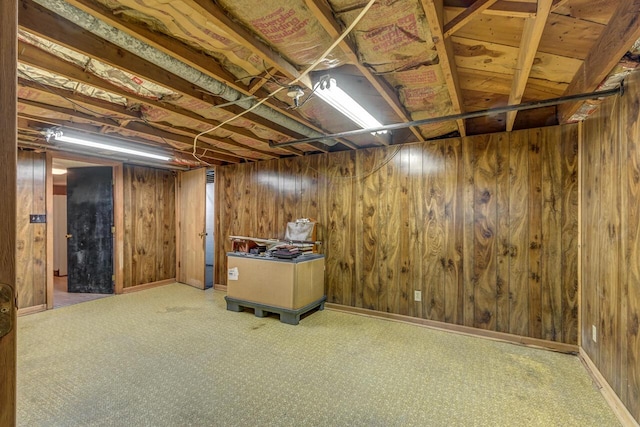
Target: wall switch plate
(38, 219)
(417, 295)
(594, 335)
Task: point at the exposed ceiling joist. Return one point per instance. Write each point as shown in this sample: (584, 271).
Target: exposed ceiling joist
(45, 24)
(435, 18)
(611, 46)
(74, 118)
(471, 12)
(324, 15)
(30, 127)
(531, 35)
(43, 60)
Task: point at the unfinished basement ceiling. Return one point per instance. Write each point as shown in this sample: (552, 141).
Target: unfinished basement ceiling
(161, 72)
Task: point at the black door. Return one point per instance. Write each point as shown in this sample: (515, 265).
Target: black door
(89, 237)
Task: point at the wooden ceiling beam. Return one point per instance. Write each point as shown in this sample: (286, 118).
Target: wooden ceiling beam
(196, 59)
(469, 13)
(242, 36)
(434, 11)
(47, 25)
(32, 127)
(614, 42)
(117, 109)
(35, 57)
(531, 35)
(97, 129)
(323, 13)
(145, 133)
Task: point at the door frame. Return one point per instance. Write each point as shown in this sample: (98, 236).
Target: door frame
(118, 217)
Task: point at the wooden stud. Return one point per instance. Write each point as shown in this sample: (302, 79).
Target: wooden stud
(529, 43)
(613, 43)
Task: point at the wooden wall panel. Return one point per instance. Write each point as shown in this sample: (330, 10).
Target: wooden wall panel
(610, 288)
(535, 233)
(149, 225)
(31, 275)
(485, 231)
(451, 218)
(569, 238)
(519, 189)
(453, 229)
(552, 235)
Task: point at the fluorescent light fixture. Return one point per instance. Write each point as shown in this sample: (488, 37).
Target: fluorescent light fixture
(60, 136)
(57, 171)
(329, 92)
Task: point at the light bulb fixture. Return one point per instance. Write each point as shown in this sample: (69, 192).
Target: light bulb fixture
(63, 136)
(56, 171)
(327, 89)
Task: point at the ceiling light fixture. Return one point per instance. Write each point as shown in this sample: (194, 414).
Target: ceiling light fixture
(62, 136)
(327, 89)
(57, 171)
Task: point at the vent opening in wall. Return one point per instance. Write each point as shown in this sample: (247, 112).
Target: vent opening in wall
(211, 176)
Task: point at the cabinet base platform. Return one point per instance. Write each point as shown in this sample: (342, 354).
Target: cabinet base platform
(291, 317)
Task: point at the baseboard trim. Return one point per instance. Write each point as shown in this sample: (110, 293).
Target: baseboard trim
(218, 287)
(30, 310)
(148, 285)
(459, 329)
(621, 411)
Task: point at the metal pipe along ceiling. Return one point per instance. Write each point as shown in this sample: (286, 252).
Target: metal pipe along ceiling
(161, 59)
(470, 115)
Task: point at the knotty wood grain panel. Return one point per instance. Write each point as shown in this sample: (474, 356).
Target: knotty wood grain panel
(31, 272)
(569, 214)
(519, 233)
(484, 253)
(503, 240)
(405, 235)
(609, 318)
(448, 218)
(372, 220)
(590, 251)
(453, 228)
(416, 225)
(470, 280)
(433, 166)
(340, 229)
(149, 225)
(265, 212)
(535, 234)
(390, 273)
(551, 232)
(631, 179)
(610, 287)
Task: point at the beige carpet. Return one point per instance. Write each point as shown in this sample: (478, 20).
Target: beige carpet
(173, 356)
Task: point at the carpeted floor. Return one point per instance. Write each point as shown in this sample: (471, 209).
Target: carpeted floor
(173, 356)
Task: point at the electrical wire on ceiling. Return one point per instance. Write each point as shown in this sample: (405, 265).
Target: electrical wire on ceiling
(322, 57)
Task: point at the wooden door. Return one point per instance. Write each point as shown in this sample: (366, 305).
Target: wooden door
(8, 147)
(191, 234)
(89, 230)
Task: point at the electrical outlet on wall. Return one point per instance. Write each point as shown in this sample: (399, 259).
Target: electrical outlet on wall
(417, 295)
(594, 335)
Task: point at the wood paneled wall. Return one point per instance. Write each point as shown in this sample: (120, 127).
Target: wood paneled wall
(485, 227)
(31, 253)
(611, 243)
(149, 225)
